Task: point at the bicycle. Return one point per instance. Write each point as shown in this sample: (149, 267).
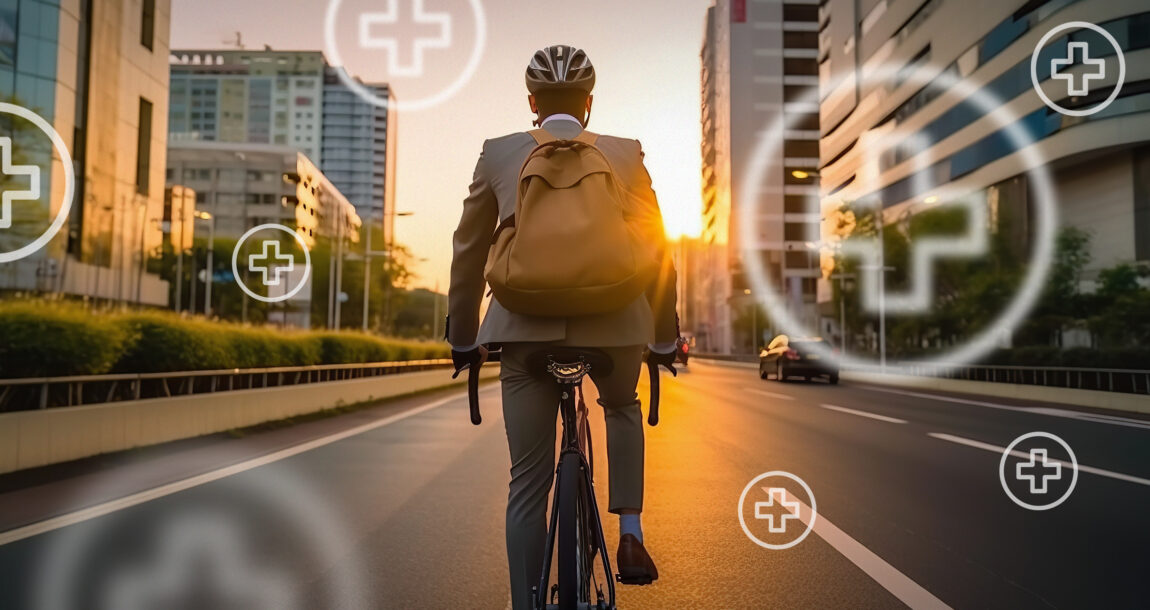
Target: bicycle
(574, 522)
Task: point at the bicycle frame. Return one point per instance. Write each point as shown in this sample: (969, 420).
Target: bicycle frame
(569, 377)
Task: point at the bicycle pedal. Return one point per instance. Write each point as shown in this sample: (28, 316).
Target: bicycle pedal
(634, 579)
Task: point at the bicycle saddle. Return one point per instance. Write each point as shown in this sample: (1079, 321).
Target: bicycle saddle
(568, 363)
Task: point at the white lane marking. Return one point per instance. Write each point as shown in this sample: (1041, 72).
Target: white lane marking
(1064, 413)
(996, 449)
(112, 506)
(770, 394)
(893, 420)
(898, 584)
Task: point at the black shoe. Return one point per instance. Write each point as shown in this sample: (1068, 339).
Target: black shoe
(635, 565)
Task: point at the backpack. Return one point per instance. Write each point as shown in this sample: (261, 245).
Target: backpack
(573, 246)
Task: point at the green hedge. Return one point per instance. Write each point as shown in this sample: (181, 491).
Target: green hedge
(48, 339)
(1115, 358)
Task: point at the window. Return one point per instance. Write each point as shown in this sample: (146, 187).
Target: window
(148, 24)
(1142, 204)
(144, 147)
(7, 34)
(800, 40)
(799, 67)
(800, 12)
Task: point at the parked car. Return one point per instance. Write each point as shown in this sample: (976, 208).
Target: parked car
(799, 357)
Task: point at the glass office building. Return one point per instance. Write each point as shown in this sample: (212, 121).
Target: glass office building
(97, 71)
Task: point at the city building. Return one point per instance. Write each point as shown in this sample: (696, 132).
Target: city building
(97, 72)
(1099, 162)
(358, 144)
(759, 69)
(240, 186)
(245, 185)
(289, 98)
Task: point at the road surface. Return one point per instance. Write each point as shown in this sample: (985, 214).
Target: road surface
(401, 506)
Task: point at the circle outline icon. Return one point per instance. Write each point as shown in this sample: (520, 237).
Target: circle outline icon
(1079, 25)
(810, 524)
(1045, 218)
(1009, 451)
(69, 183)
(236, 270)
(332, 50)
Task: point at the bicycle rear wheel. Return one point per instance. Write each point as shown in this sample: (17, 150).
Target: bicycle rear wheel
(572, 578)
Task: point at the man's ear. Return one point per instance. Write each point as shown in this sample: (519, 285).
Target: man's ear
(590, 98)
(531, 101)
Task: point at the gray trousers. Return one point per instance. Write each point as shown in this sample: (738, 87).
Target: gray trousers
(530, 411)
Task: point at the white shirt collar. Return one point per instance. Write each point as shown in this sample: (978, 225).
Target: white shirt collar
(560, 117)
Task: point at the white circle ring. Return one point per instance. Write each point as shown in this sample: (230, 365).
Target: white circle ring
(810, 524)
(306, 268)
(1045, 219)
(69, 182)
(1079, 25)
(332, 50)
(1007, 453)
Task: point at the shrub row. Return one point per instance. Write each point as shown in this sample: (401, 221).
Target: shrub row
(49, 339)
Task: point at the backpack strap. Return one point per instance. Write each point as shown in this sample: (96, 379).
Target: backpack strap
(542, 136)
(587, 137)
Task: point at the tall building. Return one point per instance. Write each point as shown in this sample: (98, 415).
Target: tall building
(358, 148)
(288, 98)
(759, 70)
(1099, 162)
(97, 71)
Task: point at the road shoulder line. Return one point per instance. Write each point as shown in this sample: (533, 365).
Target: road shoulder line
(770, 394)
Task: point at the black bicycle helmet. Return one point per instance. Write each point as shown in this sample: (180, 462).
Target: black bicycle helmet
(560, 67)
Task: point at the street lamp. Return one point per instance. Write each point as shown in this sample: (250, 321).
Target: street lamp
(368, 253)
(211, 250)
(754, 321)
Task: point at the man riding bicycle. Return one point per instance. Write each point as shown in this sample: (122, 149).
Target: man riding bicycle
(517, 182)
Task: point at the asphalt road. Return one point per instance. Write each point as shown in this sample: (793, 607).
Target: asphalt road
(402, 507)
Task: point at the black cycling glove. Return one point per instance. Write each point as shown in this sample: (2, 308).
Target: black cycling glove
(465, 360)
(667, 361)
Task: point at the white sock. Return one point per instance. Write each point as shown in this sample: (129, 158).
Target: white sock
(629, 523)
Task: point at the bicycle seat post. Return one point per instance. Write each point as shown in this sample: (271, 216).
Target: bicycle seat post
(569, 375)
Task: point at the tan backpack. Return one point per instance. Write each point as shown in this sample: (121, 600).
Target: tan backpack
(573, 246)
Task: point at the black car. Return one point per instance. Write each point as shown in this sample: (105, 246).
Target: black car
(805, 357)
(682, 350)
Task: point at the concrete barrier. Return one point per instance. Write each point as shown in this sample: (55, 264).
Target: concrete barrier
(51, 436)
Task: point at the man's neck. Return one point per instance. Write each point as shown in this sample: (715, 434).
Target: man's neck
(560, 117)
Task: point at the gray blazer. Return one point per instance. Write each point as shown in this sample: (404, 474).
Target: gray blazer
(492, 198)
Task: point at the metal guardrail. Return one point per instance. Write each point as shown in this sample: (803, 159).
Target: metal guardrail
(1126, 381)
(31, 393)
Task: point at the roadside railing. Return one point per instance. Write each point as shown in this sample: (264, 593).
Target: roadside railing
(47, 392)
(1127, 381)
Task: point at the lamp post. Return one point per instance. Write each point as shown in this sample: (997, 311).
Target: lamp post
(368, 254)
(754, 321)
(209, 271)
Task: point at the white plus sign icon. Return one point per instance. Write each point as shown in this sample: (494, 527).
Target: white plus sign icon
(262, 263)
(779, 495)
(1080, 84)
(367, 40)
(1043, 470)
(7, 169)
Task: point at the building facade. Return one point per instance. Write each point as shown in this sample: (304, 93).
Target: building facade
(358, 144)
(1099, 163)
(96, 71)
(289, 98)
(759, 72)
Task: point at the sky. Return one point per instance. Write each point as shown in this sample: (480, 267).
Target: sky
(648, 72)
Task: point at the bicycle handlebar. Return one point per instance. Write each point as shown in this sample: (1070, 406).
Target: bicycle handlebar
(473, 393)
(653, 375)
